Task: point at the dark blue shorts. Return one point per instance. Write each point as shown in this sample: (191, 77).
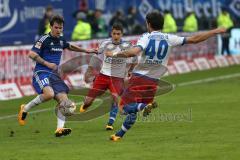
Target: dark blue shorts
(43, 79)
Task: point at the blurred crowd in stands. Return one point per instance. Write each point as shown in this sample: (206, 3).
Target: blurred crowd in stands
(92, 24)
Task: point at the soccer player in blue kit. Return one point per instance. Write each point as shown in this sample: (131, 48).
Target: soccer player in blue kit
(47, 53)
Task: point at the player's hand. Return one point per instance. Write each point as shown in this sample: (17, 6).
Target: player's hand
(108, 53)
(92, 51)
(220, 30)
(52, 66)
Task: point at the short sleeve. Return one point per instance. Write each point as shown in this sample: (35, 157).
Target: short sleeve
(175, 40)
(65, 44)
(37, 46)
(143, 41)
(101, 47)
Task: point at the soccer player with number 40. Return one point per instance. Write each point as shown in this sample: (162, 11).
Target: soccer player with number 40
(153, 49)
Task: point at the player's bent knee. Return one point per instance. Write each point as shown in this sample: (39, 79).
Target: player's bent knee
(48, 96)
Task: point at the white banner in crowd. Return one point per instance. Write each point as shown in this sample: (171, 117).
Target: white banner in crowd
(221, 61)
(9, 91)
(192, 66)
(27, 90)
(202, 63)
(234, 42)
(182, 66)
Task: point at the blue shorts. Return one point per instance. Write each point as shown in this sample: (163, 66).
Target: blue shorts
(43, 79)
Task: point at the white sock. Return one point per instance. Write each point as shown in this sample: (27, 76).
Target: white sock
(60, 119)
(32, 103)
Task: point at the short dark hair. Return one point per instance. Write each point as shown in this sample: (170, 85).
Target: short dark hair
(117, 26)
(49, 8)
(58, 19)
(155, 19)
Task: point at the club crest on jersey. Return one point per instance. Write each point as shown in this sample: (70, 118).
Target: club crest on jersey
(110, 47)
(125, 45)
(38, 45)
(61, 43)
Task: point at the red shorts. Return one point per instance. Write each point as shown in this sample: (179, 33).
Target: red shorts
(141, 89)
(104, 82)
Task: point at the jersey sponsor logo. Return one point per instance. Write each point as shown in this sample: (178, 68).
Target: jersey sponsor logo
(57, 49)
(125, 45)
(110, 47)
(151, 61)
(114, 60)
(38, 45)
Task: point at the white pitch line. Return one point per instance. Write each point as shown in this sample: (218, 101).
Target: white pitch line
(15, 115)
(205, 80)
(32, 112)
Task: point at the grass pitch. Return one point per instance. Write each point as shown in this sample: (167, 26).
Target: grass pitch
(194, 122)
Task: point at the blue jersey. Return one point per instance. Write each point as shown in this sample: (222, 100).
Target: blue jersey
(50, 49)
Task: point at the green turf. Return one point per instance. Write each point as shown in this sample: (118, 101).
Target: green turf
(193, 122)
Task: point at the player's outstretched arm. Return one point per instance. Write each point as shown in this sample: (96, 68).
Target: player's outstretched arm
(34, 56)
(127, 53)
(205, 35)
(76, 48)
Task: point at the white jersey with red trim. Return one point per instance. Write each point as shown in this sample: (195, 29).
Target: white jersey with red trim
(155, 53)
(114, 66)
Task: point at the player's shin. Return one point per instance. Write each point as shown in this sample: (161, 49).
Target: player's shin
(113, 114)
(61, 131)
(127, 124)
(134, 107)
(36, 101)
(60, 119)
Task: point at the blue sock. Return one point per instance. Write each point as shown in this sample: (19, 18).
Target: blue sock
(113, 114)
(134, 107)
(127, 124)
(131, 111)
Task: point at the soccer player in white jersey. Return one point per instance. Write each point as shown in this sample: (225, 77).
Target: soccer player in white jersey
(153, 49)
(111, 75)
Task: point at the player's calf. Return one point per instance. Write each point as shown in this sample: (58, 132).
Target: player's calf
(113, 115)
